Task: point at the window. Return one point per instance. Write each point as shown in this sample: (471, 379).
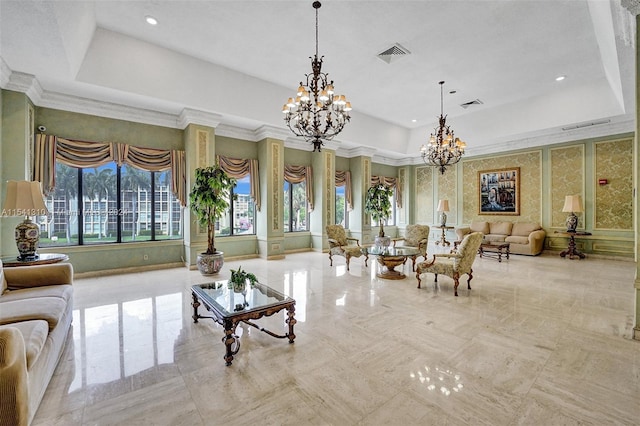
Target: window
(342, 215)
(240, 218)
(296, 209)
(118, 204)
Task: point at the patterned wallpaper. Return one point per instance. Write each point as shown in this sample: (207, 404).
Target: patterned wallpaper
(613, 206)
(424, 195)
(447, 190)
(567, 178)
(530, 164)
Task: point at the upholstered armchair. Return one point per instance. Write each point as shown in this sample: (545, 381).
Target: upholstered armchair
(339, 244)
(415, 236)
(454, 264)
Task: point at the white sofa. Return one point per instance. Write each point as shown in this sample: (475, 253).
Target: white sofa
(36, 304)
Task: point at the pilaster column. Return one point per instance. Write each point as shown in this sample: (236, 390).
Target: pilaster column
(16, 135)
(199, 147)
(324, 210)
(636, 153)
(359, 222)
(270, 218)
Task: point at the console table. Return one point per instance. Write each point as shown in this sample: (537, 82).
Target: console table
(443, 237)
(572, 250)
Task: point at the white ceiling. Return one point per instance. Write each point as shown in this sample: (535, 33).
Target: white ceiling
(240, 60)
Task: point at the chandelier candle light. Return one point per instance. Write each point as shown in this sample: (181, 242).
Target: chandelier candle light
(316, 113)
(443, 149)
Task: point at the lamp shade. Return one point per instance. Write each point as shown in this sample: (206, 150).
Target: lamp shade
(24, 198)
(572, 203)
(443, 205)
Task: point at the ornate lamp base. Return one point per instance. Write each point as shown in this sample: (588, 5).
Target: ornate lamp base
(27, 239)
(443, 219)
(572, 222)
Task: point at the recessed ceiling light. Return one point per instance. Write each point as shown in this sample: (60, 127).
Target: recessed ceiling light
(151, 20)
(414, 120)
(560, 78)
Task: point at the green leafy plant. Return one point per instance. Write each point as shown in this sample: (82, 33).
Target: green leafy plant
(238, 276)
(378, 204)
(209, 199)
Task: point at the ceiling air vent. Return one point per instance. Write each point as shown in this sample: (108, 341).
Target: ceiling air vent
(473, 102)
(393, 53)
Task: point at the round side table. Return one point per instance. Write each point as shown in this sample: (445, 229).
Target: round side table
(43, 259)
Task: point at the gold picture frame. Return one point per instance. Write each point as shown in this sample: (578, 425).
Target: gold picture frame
(499, 191)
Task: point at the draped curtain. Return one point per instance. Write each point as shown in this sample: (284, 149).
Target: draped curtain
(239, 168)
(83, 154)
(343, 178)
(297, 174)
(389, 182)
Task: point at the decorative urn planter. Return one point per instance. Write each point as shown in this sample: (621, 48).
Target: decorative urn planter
(210, 264)
(382, 241)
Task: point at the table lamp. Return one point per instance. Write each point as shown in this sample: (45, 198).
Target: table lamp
(443, 207)
(24, 198)
(572, 204)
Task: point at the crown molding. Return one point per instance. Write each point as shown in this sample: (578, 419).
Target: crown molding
(193, 116)
(5, 73)
(267, 131)
(230, 131)
(555, 136)
(106, 109)
(24, 83)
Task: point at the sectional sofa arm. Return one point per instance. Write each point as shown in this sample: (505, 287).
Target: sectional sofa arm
(14, 404)
(39, 275)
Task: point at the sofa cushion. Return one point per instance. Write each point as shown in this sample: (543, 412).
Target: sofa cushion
(517, 239)
(495, 238)
(50, 309)
(63, 291)
(524, 229)
(34, 333)
(480, 227)
(500, 228)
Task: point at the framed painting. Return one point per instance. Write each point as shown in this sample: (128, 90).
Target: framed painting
(499, 191)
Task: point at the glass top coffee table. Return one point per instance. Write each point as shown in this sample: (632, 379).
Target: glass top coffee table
(230, 305)
(390, 257)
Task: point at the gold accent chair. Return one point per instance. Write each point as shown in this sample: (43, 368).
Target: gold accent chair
(339, 244)
(416, 236)
(454, 264)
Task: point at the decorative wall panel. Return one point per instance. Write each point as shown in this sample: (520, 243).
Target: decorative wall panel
(424, 195)
(530, 164)
(366, 182)
(613, 204)
(402, 172)
(329, 189)
(567, 178)
(448, 190)
(201, 151)
(278, 184)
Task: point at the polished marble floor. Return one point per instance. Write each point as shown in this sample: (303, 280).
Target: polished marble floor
(537, 341)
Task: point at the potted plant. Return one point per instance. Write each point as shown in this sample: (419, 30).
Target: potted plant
(239, 279)
(378, 205)
(209, 200)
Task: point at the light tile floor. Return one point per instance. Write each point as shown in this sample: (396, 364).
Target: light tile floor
(537, 341)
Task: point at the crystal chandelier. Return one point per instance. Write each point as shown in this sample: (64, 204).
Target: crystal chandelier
(316, 113)
(443, 149)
